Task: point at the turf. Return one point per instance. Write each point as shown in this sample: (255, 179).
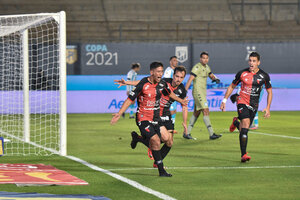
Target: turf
(202, 169)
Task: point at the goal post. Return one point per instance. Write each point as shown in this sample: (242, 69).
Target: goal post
(33, 84)
(62, 83)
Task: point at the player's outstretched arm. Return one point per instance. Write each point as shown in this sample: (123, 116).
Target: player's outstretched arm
(269, 101)
(227, 94)
(116, 116)
(122, 82)
(176, 98)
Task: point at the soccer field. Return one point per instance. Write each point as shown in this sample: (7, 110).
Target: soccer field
(202, 169)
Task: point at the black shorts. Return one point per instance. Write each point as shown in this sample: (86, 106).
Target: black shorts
(245, 111)
(167, 122)
(149, 129)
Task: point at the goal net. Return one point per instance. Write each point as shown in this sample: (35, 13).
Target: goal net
(33, 84)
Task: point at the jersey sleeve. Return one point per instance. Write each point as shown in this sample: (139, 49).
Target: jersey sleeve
(268, 82)
(208, 70)
(138, 89)
(195, 70)
(237, 79)
(166, 89)
(184, 92)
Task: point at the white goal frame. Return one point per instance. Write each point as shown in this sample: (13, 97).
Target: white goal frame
(60, 18)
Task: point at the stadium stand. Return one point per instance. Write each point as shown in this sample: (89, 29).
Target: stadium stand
(171, 21)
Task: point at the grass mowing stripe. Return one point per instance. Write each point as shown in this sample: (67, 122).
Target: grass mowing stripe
(205, 168)
(123, 179)
(268, 134)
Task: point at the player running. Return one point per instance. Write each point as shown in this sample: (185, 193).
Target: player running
(177, 87)
(235, 122)
(148, 93)
(252, 80)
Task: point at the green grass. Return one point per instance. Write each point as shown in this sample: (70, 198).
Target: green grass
(92, 138)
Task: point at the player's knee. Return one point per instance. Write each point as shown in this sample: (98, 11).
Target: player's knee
(165, 137)
(197, 113)
(206, 112)
(169, 143)
(245, 123)
(155, 143)
(244, 132)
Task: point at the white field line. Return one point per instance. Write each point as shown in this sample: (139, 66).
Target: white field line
(149, 190)
(94, 167)
(209, 168)
(123, 179)
(274, 135)
(32, 143)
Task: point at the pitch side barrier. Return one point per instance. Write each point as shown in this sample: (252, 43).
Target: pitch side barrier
(99, 94)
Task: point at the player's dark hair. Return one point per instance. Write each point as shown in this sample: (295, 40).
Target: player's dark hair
(180, 68)
(155, 65)
(255, 54)
(203, 53)
(135, 65)
(172, 57)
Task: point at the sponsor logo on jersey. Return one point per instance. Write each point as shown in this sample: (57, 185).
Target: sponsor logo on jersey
(258, 81)
(147, 128)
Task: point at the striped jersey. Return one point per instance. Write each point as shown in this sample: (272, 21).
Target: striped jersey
(131, 76)
(168, 72)
(166, 101)
(251, 86)
(148, 98)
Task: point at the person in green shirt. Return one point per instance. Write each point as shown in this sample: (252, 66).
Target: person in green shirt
(199, 75)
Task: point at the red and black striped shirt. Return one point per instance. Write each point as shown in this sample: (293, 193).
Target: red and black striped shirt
(166, 101)
(251, 86)
(148, 98)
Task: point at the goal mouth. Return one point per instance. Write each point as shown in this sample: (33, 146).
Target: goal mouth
(33, 83)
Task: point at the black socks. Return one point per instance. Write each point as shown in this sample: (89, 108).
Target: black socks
(243, 140)
(158, 160)
(237, 124)
(164, 151)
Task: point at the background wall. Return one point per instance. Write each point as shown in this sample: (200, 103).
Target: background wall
(225, 58)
